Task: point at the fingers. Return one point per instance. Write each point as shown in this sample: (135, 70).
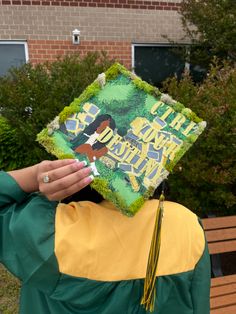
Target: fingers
(60, 170)
(59, 195)
(48, 165)
(66, 177)
(66, 181)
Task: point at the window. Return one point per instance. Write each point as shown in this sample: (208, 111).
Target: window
(12, 54)
(155, 63)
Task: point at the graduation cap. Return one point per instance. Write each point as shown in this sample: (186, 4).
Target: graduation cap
(130, 133)
(132, 136)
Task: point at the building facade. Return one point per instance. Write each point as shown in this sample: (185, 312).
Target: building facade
(42, 29)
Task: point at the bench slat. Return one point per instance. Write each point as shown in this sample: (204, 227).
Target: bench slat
(218, 235)
(220, 281)
(221, 237)
(223, 301)
(219, 222)
(225, 310)
(222, 247)
(223, 290)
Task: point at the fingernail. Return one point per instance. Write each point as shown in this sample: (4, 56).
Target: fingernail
(91, 177)
(84, 162)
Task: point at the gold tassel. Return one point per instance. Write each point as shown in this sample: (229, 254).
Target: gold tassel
(149, 293)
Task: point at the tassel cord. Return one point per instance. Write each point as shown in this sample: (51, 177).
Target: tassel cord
(148, 299)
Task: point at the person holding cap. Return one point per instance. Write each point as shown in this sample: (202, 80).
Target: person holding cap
(74, 252)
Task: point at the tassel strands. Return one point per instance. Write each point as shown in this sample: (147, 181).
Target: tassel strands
(149, 294)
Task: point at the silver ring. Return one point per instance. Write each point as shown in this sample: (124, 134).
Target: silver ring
(46, 179)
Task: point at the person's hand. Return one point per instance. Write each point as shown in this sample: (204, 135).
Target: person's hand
(59, 179)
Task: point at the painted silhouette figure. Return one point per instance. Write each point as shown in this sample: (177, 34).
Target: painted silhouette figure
(92, 148)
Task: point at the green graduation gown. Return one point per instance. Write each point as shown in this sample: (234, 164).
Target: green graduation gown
(88, 258)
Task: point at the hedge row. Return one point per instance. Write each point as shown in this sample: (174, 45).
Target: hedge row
(31, 96)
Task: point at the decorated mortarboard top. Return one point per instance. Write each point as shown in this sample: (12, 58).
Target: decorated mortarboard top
(130, 133)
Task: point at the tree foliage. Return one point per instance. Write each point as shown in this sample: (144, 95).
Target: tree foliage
(211, 25)
(31, 96)
(205, 178)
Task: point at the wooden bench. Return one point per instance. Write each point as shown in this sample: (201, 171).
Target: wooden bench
(221, 238)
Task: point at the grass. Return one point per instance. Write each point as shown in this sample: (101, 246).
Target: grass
(9, 292)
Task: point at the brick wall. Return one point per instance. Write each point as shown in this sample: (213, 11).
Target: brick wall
(110, 25)
(125, 4)
(41, 50)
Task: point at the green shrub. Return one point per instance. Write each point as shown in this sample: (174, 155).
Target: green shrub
(14, 153)
(31, 96)
(205, 178)
(211, 27)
